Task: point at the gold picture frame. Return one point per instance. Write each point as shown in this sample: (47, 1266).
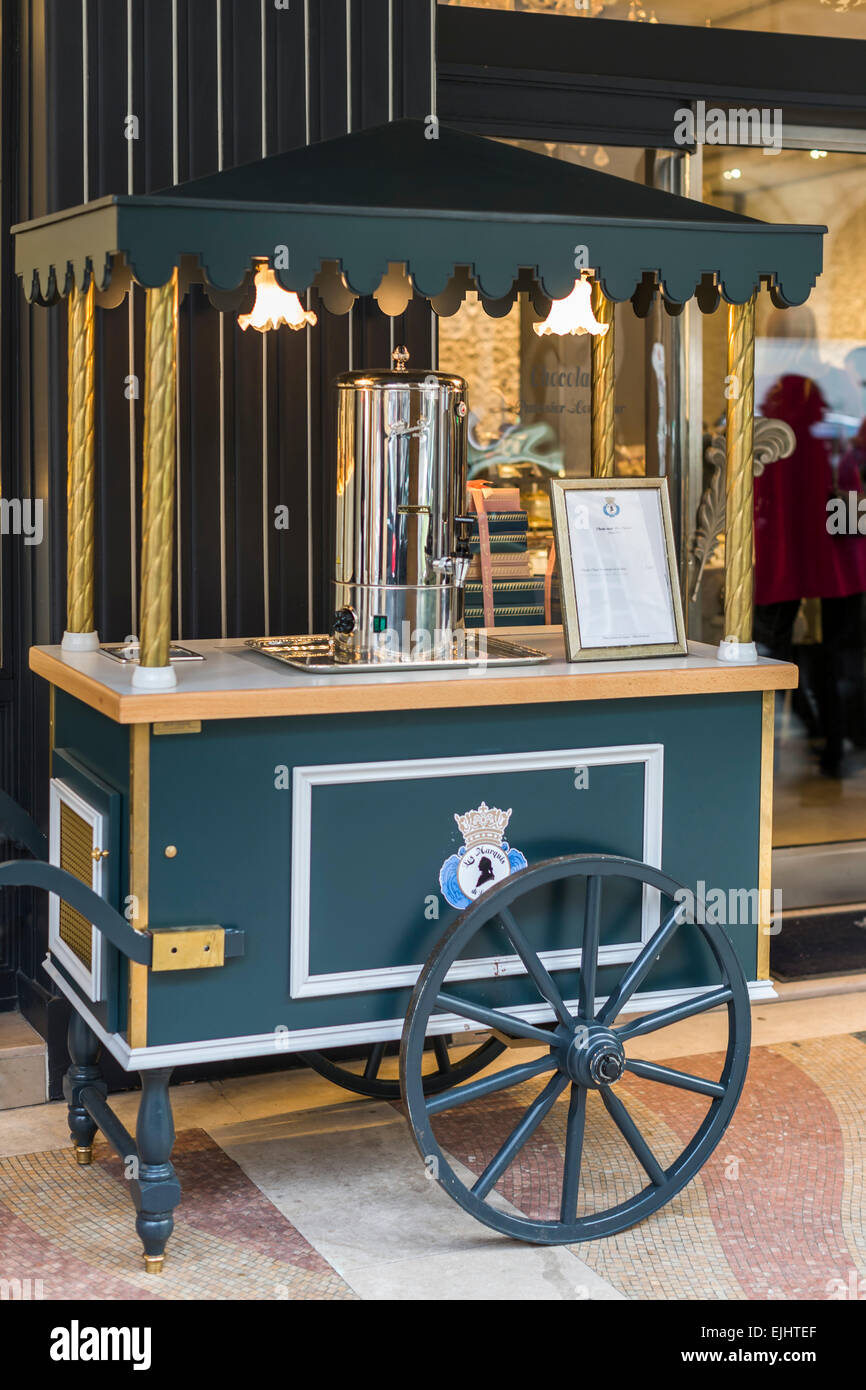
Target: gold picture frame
(603, 493)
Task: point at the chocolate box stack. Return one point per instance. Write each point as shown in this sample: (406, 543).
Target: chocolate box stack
(518, 595)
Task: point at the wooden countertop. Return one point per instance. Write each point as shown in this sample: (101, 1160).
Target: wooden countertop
(237, 683)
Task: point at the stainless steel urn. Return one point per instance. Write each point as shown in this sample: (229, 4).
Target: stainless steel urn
(402, 554)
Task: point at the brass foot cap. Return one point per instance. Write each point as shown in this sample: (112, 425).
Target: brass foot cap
(153, 1264)
(83, 1154)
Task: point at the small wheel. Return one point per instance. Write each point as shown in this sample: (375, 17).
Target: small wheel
(448, 1069)
(583, 1056)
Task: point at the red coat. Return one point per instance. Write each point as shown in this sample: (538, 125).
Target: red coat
(795, 555)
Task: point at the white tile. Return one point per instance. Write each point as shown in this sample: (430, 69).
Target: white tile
(23, 1080)
(508, 1272)
(350, 1179)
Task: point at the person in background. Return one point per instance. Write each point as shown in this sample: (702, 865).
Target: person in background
(797, 558)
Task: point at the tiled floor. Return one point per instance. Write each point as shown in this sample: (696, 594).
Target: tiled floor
(293, 1189)
(71, 1228)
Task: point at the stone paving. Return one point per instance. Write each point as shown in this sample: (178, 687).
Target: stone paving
(330, 1201)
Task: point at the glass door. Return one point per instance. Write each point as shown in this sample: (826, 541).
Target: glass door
(810, 518)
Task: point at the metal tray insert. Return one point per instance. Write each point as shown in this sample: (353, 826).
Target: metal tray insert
(472, 649)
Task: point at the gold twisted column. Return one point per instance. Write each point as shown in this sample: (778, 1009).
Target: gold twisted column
(158, 482)
(739, 479)
(602, 419)
(80, 467)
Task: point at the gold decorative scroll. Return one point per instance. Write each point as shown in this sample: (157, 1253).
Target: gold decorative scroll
(602, 419)
(80, 463)
(739, 476)
(158, 483)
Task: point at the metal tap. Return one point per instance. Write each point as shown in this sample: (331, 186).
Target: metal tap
(456, 566)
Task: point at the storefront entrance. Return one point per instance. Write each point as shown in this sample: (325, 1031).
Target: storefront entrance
(811, 535)
(530, 413)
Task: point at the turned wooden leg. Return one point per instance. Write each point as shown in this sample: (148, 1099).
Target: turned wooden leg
(84, 1049)
(156, 1190)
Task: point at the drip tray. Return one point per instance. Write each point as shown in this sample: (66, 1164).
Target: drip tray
(316, 655)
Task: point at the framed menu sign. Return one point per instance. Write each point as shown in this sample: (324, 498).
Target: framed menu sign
(617, 568)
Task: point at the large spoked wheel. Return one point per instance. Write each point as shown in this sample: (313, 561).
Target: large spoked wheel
(445, 1065)
(583, 1060)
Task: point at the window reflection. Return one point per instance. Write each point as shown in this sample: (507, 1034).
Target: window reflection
(839, 19)
(810, 556)
(529, 397)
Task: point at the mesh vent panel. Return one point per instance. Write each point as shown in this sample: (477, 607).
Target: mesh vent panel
(76, 849)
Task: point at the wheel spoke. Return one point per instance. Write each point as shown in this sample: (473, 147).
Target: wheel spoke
(633, 1137)
(662, 1018)
(440, 1052)
(669, 1077)
(499, 1081)
(506, 1023)
(640, 968)
(519, 1135)
(544, 981)
(374, 1061)
(589, 949)
(573, 1154)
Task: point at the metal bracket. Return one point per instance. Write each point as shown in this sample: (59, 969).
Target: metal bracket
(194, 948)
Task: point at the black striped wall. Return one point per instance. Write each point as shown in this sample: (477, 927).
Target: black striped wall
(214, 83)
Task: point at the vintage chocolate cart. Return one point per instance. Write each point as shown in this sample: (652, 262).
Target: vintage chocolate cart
(247, 858)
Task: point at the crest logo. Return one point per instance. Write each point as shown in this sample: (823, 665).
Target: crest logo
(484, 859)
(611, 507)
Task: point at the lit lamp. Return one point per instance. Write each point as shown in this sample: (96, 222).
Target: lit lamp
(572, 315)
(275, 306)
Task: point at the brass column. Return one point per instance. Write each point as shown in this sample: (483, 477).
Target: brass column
(739, 482)
(602, 419)
(80, 472)
(158, 484)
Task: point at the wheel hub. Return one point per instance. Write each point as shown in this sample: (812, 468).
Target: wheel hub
(594, 1056)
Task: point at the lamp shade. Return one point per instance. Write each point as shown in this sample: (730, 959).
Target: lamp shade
(275, 306)
(572, 315)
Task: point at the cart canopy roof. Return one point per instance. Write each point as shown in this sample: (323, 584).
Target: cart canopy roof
(434, 199)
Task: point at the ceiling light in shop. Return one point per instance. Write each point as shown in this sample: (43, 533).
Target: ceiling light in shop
(817, 154)
(732, 173)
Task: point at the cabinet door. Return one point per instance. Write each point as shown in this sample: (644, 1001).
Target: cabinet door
(78, 845)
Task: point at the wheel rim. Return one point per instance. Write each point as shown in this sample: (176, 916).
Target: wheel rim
(586, 1052)
(368, 1082)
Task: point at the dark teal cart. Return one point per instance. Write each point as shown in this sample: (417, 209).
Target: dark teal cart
(246, 862)
(289, 838)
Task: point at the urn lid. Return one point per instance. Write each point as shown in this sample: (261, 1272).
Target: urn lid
(399, 377)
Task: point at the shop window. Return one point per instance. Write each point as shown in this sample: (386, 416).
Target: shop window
(810, 370)
(530, 396)
(843, 19)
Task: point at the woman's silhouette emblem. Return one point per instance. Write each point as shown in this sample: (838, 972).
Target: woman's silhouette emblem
(485, 874)
(484, 859)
